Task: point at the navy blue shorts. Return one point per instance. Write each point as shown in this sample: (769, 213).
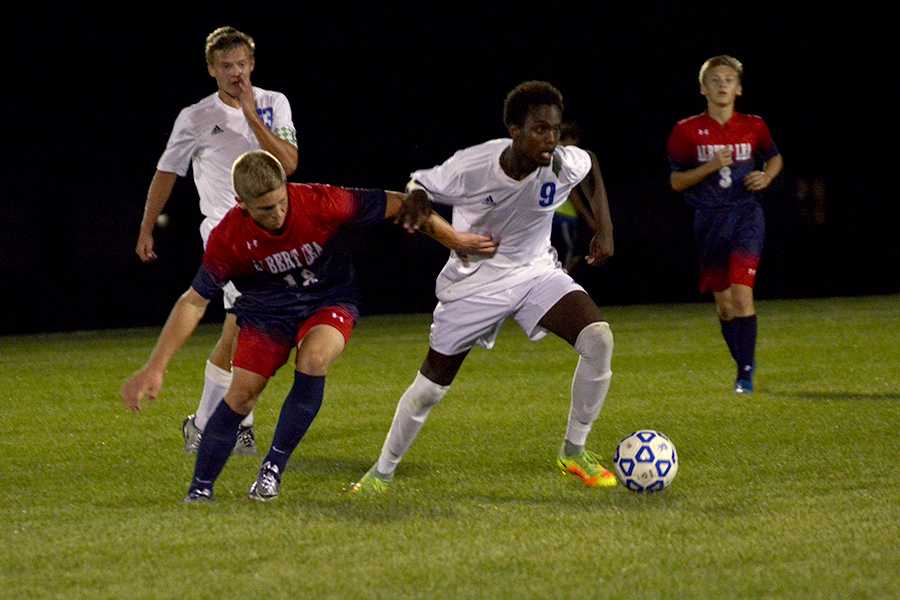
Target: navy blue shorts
(729, 243)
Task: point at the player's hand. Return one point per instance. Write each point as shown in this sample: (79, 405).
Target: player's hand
(469, 244)
(723, 158)
(248, 100)
(601, 249)
(144, 248)
(414, 211)
(143, 383)
(756, 181)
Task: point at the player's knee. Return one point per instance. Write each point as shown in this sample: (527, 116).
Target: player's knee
(426, 393)
(725, 309)
(741, 306)
(241, 401)
(595, 345)
(314, 363)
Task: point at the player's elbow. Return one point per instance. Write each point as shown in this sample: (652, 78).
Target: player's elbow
(677, 183)
(291, 161)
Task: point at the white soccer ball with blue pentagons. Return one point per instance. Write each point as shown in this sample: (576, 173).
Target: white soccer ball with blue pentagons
(646, 461)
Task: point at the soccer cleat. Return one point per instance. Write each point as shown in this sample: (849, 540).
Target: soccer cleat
(246, 441)
(198, 496)
(370, 485)
(586, 466)
(191, 434)
(744, 382)
(267, 484)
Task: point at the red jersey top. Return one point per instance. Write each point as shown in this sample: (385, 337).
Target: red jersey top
(695, 140)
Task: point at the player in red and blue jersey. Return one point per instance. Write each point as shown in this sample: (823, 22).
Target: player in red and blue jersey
(279, 247)
(722, 160)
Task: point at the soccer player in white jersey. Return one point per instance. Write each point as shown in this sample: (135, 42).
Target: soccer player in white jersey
(508, 189)
(209, 136)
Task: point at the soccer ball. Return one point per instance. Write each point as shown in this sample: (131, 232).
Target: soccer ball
(645, 461)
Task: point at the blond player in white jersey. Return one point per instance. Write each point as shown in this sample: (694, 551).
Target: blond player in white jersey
(209, 136)
(508, 189)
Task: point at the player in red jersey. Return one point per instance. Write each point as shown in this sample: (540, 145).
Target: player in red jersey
(722, 160)
(297, 289)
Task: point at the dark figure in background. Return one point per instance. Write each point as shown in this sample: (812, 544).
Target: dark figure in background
(574, 220)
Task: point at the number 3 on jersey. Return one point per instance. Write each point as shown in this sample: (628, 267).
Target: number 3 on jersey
(548, 192)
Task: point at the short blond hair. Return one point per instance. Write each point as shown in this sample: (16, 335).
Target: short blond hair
(256, 173)
(723, 60)
(227, 38)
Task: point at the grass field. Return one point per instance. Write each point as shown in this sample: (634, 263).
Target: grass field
(791, 493)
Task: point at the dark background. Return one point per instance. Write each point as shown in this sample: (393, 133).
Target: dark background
(378, 92)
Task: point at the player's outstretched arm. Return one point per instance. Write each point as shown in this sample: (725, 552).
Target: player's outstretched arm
(463, 243)
(415, 207)
(160, 189)
(436, 227)
(182, 321)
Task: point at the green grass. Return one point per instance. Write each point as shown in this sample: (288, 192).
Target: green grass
(791, 493)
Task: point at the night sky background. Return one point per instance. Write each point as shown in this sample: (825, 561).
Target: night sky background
(377, 92)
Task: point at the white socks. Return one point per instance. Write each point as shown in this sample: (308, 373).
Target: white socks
(216, 382)
(412, 410)
(591, 380)
(589, 386)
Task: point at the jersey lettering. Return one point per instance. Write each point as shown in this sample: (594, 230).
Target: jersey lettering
(707, 152)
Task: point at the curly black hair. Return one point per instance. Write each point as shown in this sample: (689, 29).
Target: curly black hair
(528, 94)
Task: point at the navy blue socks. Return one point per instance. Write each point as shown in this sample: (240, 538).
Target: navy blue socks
(297, 413)
(216, 445)
(729, 332)
(745, 345)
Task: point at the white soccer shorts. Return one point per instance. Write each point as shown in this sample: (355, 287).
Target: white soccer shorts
(474, 320)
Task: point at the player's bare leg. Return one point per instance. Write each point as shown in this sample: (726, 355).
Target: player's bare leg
(737, 314)
(440, 368)
(223, 351)
(320, 347)
(428, 388)
(222, 430)
(577, 319)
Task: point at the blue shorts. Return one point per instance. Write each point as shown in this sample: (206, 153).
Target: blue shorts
(729, 243)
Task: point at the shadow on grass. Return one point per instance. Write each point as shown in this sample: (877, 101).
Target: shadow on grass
(413, 497)
(582, 500)
(315, 488)
(352, 469)
(831, 395)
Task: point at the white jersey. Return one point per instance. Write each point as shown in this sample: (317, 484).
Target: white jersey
(210, 135)
(516, 214)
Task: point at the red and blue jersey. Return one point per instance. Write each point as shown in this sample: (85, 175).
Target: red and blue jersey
(697, 139)
(286, 276)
